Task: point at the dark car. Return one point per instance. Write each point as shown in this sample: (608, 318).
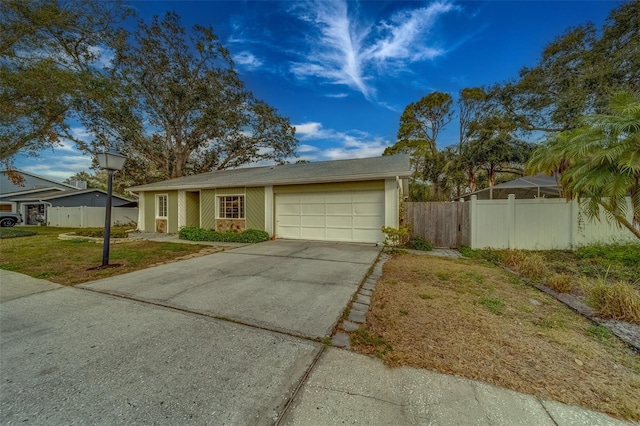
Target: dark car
(10, 218)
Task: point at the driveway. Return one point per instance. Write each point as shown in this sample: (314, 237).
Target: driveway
(80, 356)
(296, 287)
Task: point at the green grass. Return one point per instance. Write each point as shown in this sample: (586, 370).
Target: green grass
(15, 233)
(69, 262)
(599, 332)
(363, 337)
(495, 306)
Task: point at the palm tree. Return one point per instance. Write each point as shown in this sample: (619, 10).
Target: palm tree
(599, 162)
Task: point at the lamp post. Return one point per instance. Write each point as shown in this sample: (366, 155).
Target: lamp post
(109, 161)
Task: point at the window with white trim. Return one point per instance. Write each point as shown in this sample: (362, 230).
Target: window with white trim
(231, 207)
(161, 206)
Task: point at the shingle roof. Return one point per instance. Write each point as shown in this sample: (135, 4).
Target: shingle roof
(319, 172)
(50, 195)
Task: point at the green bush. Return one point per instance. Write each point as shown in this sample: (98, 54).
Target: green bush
(420, 243)
(14, 233)
(195, 233)
(115, 232)
(626, 254)
(395, 237)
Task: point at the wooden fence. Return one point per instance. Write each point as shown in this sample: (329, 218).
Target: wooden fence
(443, 224)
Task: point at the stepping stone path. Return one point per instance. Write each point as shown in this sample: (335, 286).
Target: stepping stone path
(360, 306)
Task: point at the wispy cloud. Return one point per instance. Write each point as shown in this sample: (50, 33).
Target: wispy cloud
(345, 51)
(351, 144)
(247, 60)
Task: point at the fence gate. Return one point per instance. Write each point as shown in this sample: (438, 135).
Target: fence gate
(443, 224)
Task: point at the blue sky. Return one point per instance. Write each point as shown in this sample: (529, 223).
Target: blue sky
(343, 72)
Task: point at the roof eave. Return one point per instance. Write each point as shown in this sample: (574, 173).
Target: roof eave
(352, 178)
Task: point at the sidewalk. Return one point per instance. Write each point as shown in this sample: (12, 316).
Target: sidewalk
(349, 388)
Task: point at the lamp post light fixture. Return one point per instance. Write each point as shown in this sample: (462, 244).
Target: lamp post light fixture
(110, 161)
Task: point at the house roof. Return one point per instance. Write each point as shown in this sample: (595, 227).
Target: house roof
(31, 181)
(286, 174)
(31, 192)
(525, 187)
(55, 194)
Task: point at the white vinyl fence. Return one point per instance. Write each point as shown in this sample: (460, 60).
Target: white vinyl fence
(538, 224)
(89, 217)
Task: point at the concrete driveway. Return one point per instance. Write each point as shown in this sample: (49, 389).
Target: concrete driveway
(79, 356)
(296, 287)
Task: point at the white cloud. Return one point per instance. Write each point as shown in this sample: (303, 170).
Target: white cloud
(345, 52)
(404, 37)
(248, 60)
(349, 144)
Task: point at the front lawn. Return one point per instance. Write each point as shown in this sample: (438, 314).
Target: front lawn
(68, 262)
(469, 318)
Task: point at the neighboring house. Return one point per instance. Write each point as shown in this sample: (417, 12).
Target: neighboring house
(342, 200)
(32, 197)
(527, 187)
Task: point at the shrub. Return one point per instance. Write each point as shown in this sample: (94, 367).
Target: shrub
(530, 265)
(619, 300)
(115, 232)
(420, 243)
(561, 283)
(395, 237)
(14, 233)
(627, 254)
(195, 233)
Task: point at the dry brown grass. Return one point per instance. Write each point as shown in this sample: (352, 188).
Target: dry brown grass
(561, 283)
(465, 318)
(530, 264)
(619, 300)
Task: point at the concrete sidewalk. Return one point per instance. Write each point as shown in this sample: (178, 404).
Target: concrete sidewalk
(14, 285)
(349, 388)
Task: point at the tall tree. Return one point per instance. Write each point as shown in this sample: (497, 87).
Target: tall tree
(49, 51)
(420, 125)
(494, 149)
(577, 73)
(600, 161)
(181, 108)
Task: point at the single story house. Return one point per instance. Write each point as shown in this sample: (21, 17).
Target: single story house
(342, 200)
(35, 193)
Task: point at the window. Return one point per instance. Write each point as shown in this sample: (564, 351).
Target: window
(161, 206)
(231, 207)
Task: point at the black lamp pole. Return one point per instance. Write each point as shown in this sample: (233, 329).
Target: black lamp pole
(107, 220)
(110, 161)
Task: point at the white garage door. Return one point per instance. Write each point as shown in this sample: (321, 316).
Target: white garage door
(333, 216)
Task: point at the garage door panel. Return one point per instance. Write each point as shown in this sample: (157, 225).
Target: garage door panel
(367, 209)
(292, 232)
(289, 220)
(340, 209)
(339, 222)
(312, 233)
(371, 222)
(342, 234)
(313, 221)
(334, 216)
(312, 209)
(289, 209)
(368, 197)
(310, 198)
(338, 197)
